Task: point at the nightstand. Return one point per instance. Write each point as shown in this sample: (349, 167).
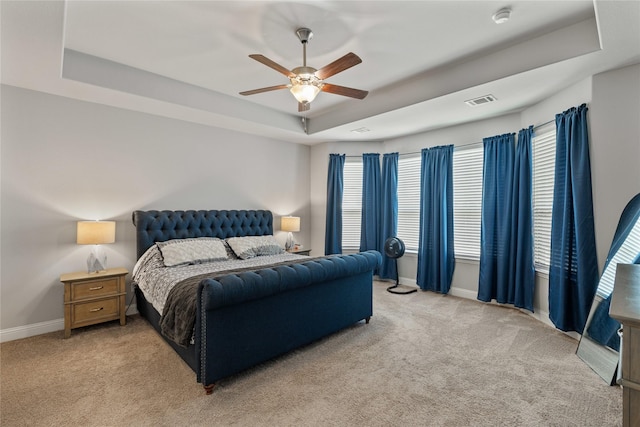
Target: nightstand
(306, 252)
(91, 298)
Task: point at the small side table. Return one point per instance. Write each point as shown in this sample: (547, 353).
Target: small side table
(306, 252)
(91, 298)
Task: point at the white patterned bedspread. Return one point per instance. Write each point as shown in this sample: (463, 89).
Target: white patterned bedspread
(155, 280)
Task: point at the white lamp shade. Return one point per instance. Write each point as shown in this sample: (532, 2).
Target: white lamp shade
(304, 93)
(290, 223)
(96, 232)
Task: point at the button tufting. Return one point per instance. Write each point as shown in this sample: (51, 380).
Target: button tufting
(155, 226)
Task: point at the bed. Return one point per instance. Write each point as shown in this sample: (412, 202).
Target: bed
(246, 315)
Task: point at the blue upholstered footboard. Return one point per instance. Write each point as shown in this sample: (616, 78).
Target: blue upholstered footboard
(248, 318)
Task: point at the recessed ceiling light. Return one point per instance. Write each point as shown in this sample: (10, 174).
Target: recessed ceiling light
(361, 130)
(502, 16)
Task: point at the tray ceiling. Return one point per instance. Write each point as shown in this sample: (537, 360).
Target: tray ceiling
(421, 59)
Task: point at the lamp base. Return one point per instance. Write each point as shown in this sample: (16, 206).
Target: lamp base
(288, 246)
(97, 260)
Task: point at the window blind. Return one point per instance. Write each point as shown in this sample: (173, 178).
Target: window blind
(467, 201)
(544, 157)
(409, 201)
(351, 203)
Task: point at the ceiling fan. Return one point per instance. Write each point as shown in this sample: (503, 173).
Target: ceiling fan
(307, 82)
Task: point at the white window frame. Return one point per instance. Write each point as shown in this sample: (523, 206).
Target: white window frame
(467, 200)
(409, 167)
(351, 203)
(543, 146)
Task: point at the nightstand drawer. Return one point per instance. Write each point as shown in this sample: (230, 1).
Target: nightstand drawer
(95, 311)
(94, 288)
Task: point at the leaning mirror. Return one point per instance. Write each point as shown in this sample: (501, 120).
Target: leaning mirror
(600, 343)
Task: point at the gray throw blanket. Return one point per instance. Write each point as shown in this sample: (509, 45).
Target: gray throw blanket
(179, 316)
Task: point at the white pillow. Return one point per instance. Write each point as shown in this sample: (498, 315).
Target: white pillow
(252, 246)
(192, 251)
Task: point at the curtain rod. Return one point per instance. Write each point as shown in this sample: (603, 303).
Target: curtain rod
(455, 147)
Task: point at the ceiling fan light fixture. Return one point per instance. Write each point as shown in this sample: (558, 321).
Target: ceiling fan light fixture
(305, 85)
(304, 92)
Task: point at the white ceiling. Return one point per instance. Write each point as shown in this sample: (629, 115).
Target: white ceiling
(421, 59)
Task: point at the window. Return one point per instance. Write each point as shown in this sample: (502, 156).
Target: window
(409, 201)
(467, 200)
(544, 157)
(351, 203)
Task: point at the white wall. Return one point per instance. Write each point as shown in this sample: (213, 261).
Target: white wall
(615, 152)
(614, 122)
(64, 160)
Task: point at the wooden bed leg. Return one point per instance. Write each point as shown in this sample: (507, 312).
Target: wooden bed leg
(366, 320)
(209, 388)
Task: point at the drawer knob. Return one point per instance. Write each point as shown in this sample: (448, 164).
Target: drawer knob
(95, 288)
(95, 309)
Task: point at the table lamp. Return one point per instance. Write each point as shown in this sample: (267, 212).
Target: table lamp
(96, 233)
(289, 224)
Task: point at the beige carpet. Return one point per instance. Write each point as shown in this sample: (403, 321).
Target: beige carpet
(424, 360)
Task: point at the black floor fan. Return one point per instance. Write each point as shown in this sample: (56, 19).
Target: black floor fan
(394, 249)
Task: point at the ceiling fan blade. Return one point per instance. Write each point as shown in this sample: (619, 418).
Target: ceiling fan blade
(269, 63)
(344, 91)
(264, 89)
(304, 107)
(347, 61)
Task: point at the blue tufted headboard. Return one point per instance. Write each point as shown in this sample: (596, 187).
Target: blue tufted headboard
(158, 226)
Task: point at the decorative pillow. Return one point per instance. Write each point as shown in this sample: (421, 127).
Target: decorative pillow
(230, 253)
(192, 251)
(252, 246)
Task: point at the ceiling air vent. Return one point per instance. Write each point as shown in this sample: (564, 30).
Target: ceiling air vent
(481, 100)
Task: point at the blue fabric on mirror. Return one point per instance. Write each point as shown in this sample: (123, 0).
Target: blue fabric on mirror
(573, 270)
(506, 254)
(388, 269)
(436, 260)
(335, 188)
(628, 219)
(371, 192)
(603, 328)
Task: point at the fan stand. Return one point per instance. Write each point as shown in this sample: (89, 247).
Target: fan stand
(393, 290)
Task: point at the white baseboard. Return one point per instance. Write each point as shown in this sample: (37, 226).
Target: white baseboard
(463, 293)
(456, 292)
(31, 330)
(58, 325)
(542, 316)
(34, 329)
